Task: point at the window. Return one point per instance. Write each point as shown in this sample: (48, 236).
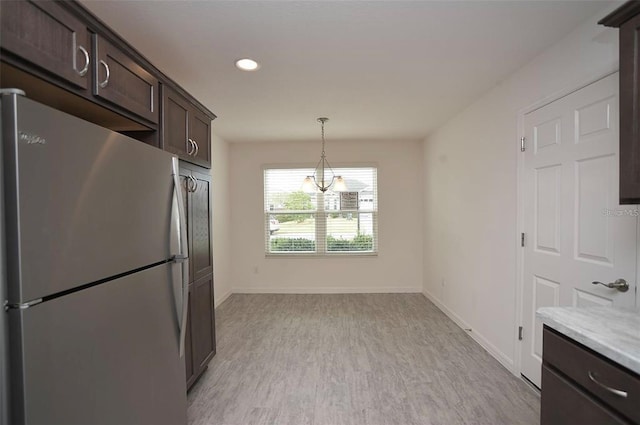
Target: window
(330, 223)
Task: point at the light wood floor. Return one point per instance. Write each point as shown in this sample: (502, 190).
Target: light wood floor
(362, 359)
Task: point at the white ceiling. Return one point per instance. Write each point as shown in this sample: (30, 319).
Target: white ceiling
(378, 69)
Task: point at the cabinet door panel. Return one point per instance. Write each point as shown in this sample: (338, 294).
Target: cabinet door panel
(201, 255)
(200, 133)
(120, 80)
(175, 123)
(203, 328)
(47, 35)
(188, 345)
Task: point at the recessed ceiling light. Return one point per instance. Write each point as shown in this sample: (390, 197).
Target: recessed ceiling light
(247, 65)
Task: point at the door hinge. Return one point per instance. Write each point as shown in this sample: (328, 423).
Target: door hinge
(522, 239)
(519, 333)
(522, 140)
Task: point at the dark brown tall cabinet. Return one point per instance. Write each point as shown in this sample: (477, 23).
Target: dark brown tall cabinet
(63, 56)
(200, 343)
(627, 19)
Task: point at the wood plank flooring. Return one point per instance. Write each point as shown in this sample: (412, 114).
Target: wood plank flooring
(352, 359)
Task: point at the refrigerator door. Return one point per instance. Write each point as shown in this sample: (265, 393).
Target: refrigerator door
(83, 203)
(104, 355)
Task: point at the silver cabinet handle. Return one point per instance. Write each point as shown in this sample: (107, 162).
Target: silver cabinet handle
(195, 183)
(106, 68)
(85, 68)
(620, 284)
(192, 147)
(197, 148)
(619, 393)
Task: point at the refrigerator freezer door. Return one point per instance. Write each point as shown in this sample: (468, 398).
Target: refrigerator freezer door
(83, 203)
(104, 355)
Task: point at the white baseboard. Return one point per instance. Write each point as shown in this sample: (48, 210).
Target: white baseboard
(223, 298)
(324, 290)
(479, 338)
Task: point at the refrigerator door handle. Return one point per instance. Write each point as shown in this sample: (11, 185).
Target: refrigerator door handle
(182, 256)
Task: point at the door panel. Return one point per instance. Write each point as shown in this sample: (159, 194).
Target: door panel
(98, 203)
(580, 232)
(547, 209)
(595, 181)
(104, 355)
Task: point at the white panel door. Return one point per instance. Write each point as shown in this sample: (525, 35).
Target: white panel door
(575, 230)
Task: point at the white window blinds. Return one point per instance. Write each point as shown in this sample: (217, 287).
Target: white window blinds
(330, 223)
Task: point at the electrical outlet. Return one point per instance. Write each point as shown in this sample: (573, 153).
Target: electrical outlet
(443, 283)
(255, 270)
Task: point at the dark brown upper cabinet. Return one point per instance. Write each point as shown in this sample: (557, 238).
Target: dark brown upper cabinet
(63, 56)
(121, 80)
(48, 36)
(186, 130)
(627, 19)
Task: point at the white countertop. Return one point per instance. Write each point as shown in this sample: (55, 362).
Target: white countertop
(612, 332)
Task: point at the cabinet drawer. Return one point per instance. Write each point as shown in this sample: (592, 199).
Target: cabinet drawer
(597, 375)
(122, 81)
(563, 403)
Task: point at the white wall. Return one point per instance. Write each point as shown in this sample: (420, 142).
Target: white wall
(397, 268)
(221, 211)
(470, 175)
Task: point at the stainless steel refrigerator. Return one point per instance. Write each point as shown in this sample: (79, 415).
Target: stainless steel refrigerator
(93, 273)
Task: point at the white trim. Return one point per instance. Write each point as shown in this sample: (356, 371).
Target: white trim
(517, 368)
(502, 358)
(223, 298)
(326, 290)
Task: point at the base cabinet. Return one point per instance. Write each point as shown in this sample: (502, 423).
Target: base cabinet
(580, 386)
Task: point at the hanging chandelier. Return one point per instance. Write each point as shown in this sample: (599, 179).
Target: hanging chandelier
(323, 176)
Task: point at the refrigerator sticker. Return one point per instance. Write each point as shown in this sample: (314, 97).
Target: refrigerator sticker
(32, 139)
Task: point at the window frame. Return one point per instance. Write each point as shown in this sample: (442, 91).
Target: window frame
(320, 211)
